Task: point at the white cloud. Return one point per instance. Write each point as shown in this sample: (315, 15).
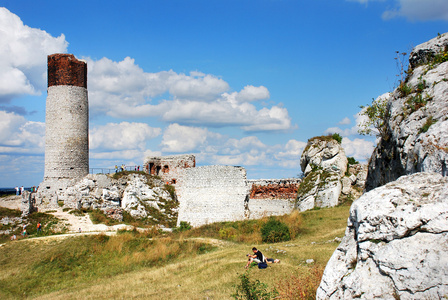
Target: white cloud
(123, 89)
(345, 121)
(214, 148)
(198, 87)
(252, 93)
(122, 136)
(419, 10)
(23, 56)
(360, 149)
(178, 138)
(19, 135)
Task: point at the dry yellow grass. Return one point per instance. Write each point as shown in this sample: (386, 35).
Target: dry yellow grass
(213, 275)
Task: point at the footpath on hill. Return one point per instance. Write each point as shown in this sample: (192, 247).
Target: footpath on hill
(83, 225)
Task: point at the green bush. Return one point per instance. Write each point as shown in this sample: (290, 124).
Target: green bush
(184, 226)
(337, 137)
(352, 161)
(274, 231)
(253, 290)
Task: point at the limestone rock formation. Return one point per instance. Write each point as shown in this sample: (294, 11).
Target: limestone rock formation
(323, 163)
(134, 193)
(395, 244)
(417, 126)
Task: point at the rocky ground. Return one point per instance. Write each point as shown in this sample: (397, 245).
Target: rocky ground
(11, 202)
(74, 224)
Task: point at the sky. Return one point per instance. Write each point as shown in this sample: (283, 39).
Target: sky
(234, 82)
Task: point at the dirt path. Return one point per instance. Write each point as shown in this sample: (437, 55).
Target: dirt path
(84, 224)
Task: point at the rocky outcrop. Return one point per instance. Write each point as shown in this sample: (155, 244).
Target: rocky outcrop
(323, 163)
(416, 128)
(142, 196)
(395, 244)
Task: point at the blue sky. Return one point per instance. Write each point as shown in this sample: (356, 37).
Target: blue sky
(234, 82)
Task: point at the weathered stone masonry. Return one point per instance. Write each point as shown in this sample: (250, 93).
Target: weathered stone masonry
(212, 194)
(169, 168)
(67, 119)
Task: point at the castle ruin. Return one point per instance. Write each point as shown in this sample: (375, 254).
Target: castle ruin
(206, 194)
(168, 168)
(66, 124)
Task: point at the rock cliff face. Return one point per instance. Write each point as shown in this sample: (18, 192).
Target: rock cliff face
(417, 125)
(323, 163)
(395, 245)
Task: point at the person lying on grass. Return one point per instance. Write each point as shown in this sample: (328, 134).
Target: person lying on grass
(257, 257)
(272, 260)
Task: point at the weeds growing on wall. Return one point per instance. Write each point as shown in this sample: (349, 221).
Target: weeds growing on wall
(429, 122)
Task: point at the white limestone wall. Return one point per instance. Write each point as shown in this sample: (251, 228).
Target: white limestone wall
(66, 132)
(259, 208)
(212, 194)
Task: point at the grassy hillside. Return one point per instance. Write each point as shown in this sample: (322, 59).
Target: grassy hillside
(187, 265)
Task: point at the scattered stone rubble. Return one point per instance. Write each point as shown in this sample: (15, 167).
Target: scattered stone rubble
(139, 195)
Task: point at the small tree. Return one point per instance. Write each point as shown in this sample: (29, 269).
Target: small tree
(377, 114)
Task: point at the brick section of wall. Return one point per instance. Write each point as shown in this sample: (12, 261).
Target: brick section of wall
(169, 168)
(274, 188)
(65, 69)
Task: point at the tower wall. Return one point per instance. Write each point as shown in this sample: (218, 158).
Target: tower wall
(67, 119)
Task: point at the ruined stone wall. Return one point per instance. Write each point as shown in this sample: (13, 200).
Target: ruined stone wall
(67, 119)
(212, 194)
(168, 167)
(271, 197)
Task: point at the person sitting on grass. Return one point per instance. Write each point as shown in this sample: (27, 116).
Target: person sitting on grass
(272, 260)
(257, 257)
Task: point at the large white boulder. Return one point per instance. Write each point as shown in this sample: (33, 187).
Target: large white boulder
(395, 245)
(323, 163)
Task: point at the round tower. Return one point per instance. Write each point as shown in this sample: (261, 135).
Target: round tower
(67, 119)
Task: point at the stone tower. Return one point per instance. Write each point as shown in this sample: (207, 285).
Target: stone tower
(67, 119)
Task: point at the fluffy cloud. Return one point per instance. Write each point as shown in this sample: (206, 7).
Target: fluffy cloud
(18, 135)
(123, 89)
(122, 136)
(360, 149)
(214, 148)
(178, 138)
(345, 121)
(421, 10)
(249, 93)
(23, 56)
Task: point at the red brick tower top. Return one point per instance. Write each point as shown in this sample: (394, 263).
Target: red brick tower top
(65, 69)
